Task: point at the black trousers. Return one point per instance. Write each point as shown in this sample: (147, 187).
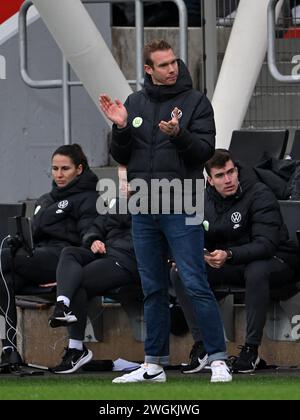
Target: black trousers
(82, 275)
(35, 270)
(257, 277)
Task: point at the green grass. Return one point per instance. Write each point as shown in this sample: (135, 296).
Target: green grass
(274, 387)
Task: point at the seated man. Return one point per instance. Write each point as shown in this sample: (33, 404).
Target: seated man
(247, 245)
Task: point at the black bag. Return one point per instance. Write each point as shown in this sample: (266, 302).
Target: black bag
(98, 366)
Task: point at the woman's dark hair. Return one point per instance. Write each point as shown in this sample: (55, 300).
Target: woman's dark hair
(75, 153)
(219, 160)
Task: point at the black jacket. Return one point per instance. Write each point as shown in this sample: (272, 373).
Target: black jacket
(249, 224)
(114, 230)
(281, 176)
(150, 154)
(64, 215)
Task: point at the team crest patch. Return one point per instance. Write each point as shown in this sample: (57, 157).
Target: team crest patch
(205, 224)
(176, 113)
(63, 204)
(137, 122)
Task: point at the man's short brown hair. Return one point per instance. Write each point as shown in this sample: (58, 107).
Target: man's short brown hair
(152, 46)
(219, 160)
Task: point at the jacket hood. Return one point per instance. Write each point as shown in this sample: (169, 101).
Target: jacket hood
(162, 92)
(87, 181)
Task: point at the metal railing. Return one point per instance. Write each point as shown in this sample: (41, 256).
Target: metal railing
(66, 83)
(272, 50)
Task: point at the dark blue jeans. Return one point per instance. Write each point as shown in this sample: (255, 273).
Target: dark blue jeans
(152, 236)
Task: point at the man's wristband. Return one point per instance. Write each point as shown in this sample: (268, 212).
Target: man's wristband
(229, 253)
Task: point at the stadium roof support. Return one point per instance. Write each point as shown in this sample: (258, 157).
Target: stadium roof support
(243, 59)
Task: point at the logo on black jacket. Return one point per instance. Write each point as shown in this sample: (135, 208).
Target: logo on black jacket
(176, 113)
(236, 218)
(137, 122)
(63, 204)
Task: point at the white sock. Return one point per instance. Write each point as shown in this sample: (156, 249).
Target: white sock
(75, 344)
(64, 299)
(218, 363)
(154, 368)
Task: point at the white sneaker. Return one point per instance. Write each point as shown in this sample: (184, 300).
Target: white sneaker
(143, 374)
(220, 372)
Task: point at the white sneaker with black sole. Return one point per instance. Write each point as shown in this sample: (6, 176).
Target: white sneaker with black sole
(143, 374)
(73, 360)
(220, 372)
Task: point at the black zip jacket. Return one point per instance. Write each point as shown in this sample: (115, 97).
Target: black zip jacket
(249, 224)
(64, 215)
(114, 230)
(150, 154)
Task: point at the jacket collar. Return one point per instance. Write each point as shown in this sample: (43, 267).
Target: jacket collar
(162, 93)
(87, 181)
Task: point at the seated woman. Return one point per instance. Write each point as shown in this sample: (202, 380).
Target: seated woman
(105, 261)
(61, 218)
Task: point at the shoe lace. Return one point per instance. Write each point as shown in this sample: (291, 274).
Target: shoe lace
(246, 353)
(59, 308)
(220, 369)
(68, 354)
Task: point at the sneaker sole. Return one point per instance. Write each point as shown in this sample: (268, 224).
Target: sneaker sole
(201, 366)
(124, 381)
(62, 322)
(81, 362)
(216, 380)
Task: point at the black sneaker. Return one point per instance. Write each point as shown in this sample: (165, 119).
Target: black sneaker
(10, 358)
(73, 360)
(247, 360)
(198, 359)
(62, 316)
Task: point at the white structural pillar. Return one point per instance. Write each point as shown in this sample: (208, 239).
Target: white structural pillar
(242, 63)
(84, 48)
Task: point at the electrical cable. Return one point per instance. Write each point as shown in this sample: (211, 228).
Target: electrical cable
(5, 312)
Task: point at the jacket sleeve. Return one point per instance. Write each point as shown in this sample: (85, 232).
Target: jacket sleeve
(87, 213)
(121, 143)
(265, 222)
(196, 144)
(43, 202)
(97, 232)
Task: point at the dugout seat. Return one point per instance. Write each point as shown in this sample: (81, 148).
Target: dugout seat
(251, 146)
